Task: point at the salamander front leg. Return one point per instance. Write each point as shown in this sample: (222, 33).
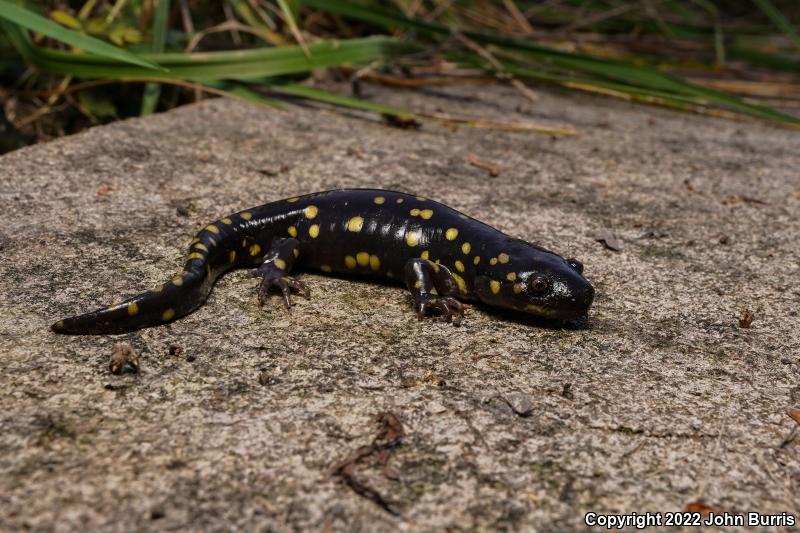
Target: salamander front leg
(431, 285)
(274, 271)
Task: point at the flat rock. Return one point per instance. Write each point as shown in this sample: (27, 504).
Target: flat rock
(661, 402)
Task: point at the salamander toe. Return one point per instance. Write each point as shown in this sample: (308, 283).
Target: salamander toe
(283, 283)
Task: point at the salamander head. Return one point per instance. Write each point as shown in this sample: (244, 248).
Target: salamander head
(539, 283)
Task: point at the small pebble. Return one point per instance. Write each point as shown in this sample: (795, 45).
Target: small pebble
(520, 403)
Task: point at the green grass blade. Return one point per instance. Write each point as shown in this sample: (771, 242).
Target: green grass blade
(152, 91)
(262, 62)
(602, 68)
(773, 61)
(779, 19)
(288, 16)
(35, 22)
(303, 91)
(369, 45)
(234, 90)
(19, 39)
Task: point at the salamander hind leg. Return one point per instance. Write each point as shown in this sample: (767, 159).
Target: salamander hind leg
(274, 271)
(431, 286)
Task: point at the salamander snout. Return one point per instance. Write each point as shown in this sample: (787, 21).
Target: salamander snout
(575, 264)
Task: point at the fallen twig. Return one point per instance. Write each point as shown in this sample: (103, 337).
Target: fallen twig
(494, 170)
(388, 437)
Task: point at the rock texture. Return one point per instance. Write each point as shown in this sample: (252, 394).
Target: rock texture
(252, 418)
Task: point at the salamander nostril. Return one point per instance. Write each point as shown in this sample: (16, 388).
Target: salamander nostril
(575, 264)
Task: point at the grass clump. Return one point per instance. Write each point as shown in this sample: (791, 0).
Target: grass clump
(60, 59)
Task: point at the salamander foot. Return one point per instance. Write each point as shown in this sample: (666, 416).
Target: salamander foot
(449, 309)
(283, 283)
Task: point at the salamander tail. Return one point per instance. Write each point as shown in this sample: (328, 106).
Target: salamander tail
(176, 298)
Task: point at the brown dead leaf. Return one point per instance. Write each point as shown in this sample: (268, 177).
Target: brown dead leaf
(794, 414)
(746, 317)
(124, 359)
(702, 508)
(404, 123)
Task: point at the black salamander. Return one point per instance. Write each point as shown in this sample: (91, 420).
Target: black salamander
(443, 257)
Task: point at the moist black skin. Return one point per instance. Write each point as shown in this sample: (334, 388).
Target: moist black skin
(443, 256)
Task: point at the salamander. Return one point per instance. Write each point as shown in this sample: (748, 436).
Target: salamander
(443, 256)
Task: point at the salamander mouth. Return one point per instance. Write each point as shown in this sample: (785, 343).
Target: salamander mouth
(557, 313)
(563, 309)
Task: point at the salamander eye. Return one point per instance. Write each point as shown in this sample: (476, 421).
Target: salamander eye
(539, 285)
(577, 265)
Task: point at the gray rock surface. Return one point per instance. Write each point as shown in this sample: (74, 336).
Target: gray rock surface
(240, 416)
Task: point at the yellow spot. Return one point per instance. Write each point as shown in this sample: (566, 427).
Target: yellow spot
(60, 324)
(517, 288)
(412, 238)
(414, 212)
(212, 242)
(280, 263)
(292, 231)
(295, 253)
(313, 231)
(465, 217)
(133, 309)
(420, 198)
(494, 285)
(194, 256)
(311, 211)
(511, 276)
(503, 258)
(326, 268)
(169, 314)
(493, 261)
(246, 215)
(476, 260)
(425, 254)
(462, 286)
(194, 241)
(459, 266)
(255, 250)
(466, 247)
(201, 246)
(399, 200)
(350, 261)
(244, 243)
(226, 221)
(379, 200)
(292, 200)
(451, 234)
(212, 228)
(374, 262)
(418, 284)
(177, 281)
(362, 258)
(232, 256)
(434, 291)
(426, 213)
(355, 224)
